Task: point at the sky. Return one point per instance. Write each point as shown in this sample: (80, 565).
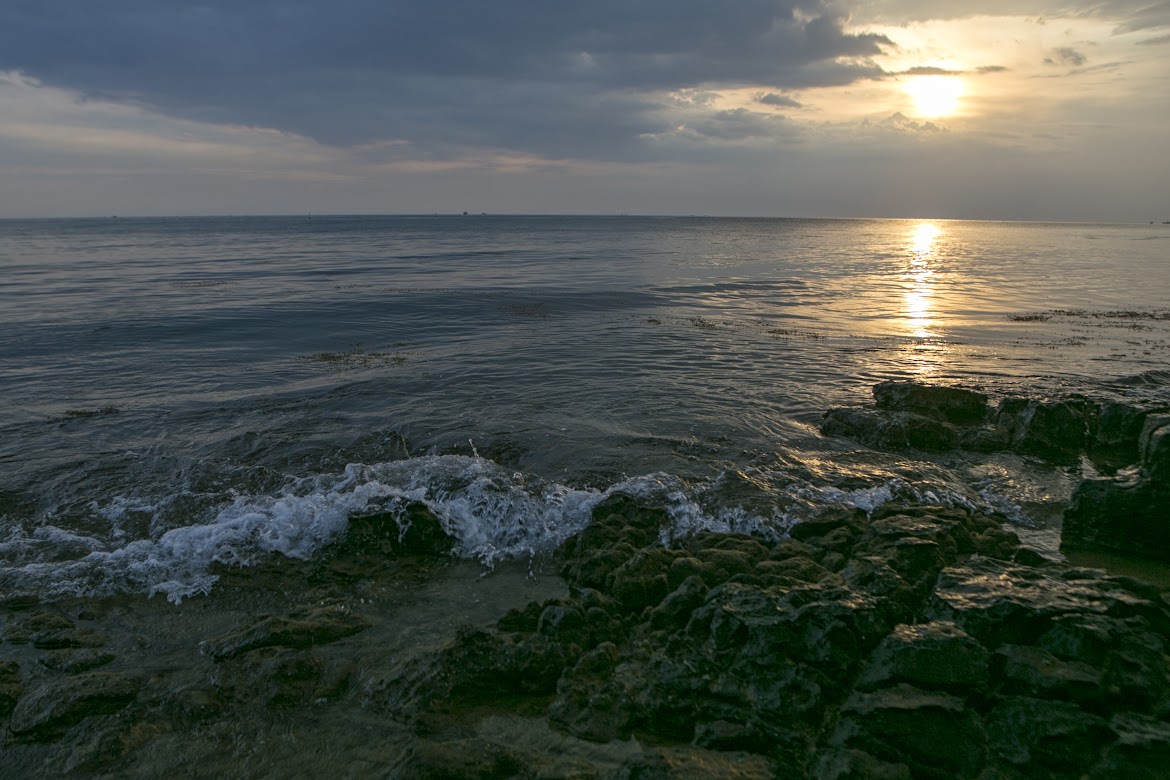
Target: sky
(1028, 110)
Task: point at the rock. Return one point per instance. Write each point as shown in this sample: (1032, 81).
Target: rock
(1055, 735)
(1141, 752)
(857, 765)
(465, 759)
(1116, 433)
(932, 733)
(75, 662)
(675, 610)
(1037, 672)
(909, 415)
(998, 602)
(1131, 511)
(46, 711)
(1056, 431)
(888, 430)
(37, 626)
(950, 404)
(930, 655)
(412, 530)
(592, 701)
(689, 763)
(297, 630)
(11, 686)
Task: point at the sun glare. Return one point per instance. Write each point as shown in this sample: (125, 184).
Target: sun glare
(935, 96)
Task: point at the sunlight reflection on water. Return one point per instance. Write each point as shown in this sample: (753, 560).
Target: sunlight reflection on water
(918, 308)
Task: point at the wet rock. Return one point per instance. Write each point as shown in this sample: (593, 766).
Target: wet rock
(30, 628)
(951, 404)
(1127, 512)
(11, 686)
(49, 709)
(896, 431)
(857, 765)
(937, 654)
(1056, 431)
(913, 416)
(75, 662)
(675, 610)
(68, 638)
(593, 702)
(931, 733)
(411, 530)
(1054, 735)
(1116, 433)
(468, 758)
(297, 630)
(1141, 752)
(998, 602)
(688, 763)
(1037, 672)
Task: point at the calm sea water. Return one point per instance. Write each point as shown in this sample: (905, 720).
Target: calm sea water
(179, 391)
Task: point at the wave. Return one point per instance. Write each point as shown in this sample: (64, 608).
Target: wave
(492, 513)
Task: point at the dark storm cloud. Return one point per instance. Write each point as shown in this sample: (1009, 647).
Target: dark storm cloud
(564, 79)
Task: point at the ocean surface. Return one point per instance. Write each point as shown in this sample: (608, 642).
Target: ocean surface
(177, 392)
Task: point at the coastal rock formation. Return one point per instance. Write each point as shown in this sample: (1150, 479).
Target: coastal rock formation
(913, 643)
(1129, 512)
(908, 642)
(914, 416)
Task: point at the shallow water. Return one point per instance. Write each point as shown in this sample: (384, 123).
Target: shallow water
(183, 391)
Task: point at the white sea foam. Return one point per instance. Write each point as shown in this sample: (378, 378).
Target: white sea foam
(491, 513)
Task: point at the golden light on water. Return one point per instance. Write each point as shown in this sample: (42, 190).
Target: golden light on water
(935, 96)
(919, 292)
(922, 240)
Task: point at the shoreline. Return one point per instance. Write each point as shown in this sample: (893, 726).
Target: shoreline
(906, 642)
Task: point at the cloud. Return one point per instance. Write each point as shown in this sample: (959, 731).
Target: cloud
(557, 79)
(772, 99)
(1066, 55)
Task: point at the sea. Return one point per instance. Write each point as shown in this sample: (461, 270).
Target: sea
(178, 394)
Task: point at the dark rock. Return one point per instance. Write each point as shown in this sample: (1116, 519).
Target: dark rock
(1116, 433)
(465, 759)
(75, 662)
(857, 765)
(592, 701)
(689, 763)
(931, 655)
(1131, 511)
(951, 404)
(641, 580)
(411, 530)
(49, 709)
(675, 610)
(1056, 431)
(895, 431)
(68, 638)
(1141, 752)
(297, 630)
(1004, 603)
(1056, 735)
(36, 626)
(11, 686)
(932, 733)
(1037, 672)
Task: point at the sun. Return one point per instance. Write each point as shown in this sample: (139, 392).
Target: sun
(935, 96)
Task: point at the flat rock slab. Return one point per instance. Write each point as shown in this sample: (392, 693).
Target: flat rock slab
(297, 630)
(48, 710)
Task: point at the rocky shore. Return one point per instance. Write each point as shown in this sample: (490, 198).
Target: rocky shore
(908, 642)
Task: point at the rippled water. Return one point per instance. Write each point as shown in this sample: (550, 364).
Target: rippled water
(177, 391)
